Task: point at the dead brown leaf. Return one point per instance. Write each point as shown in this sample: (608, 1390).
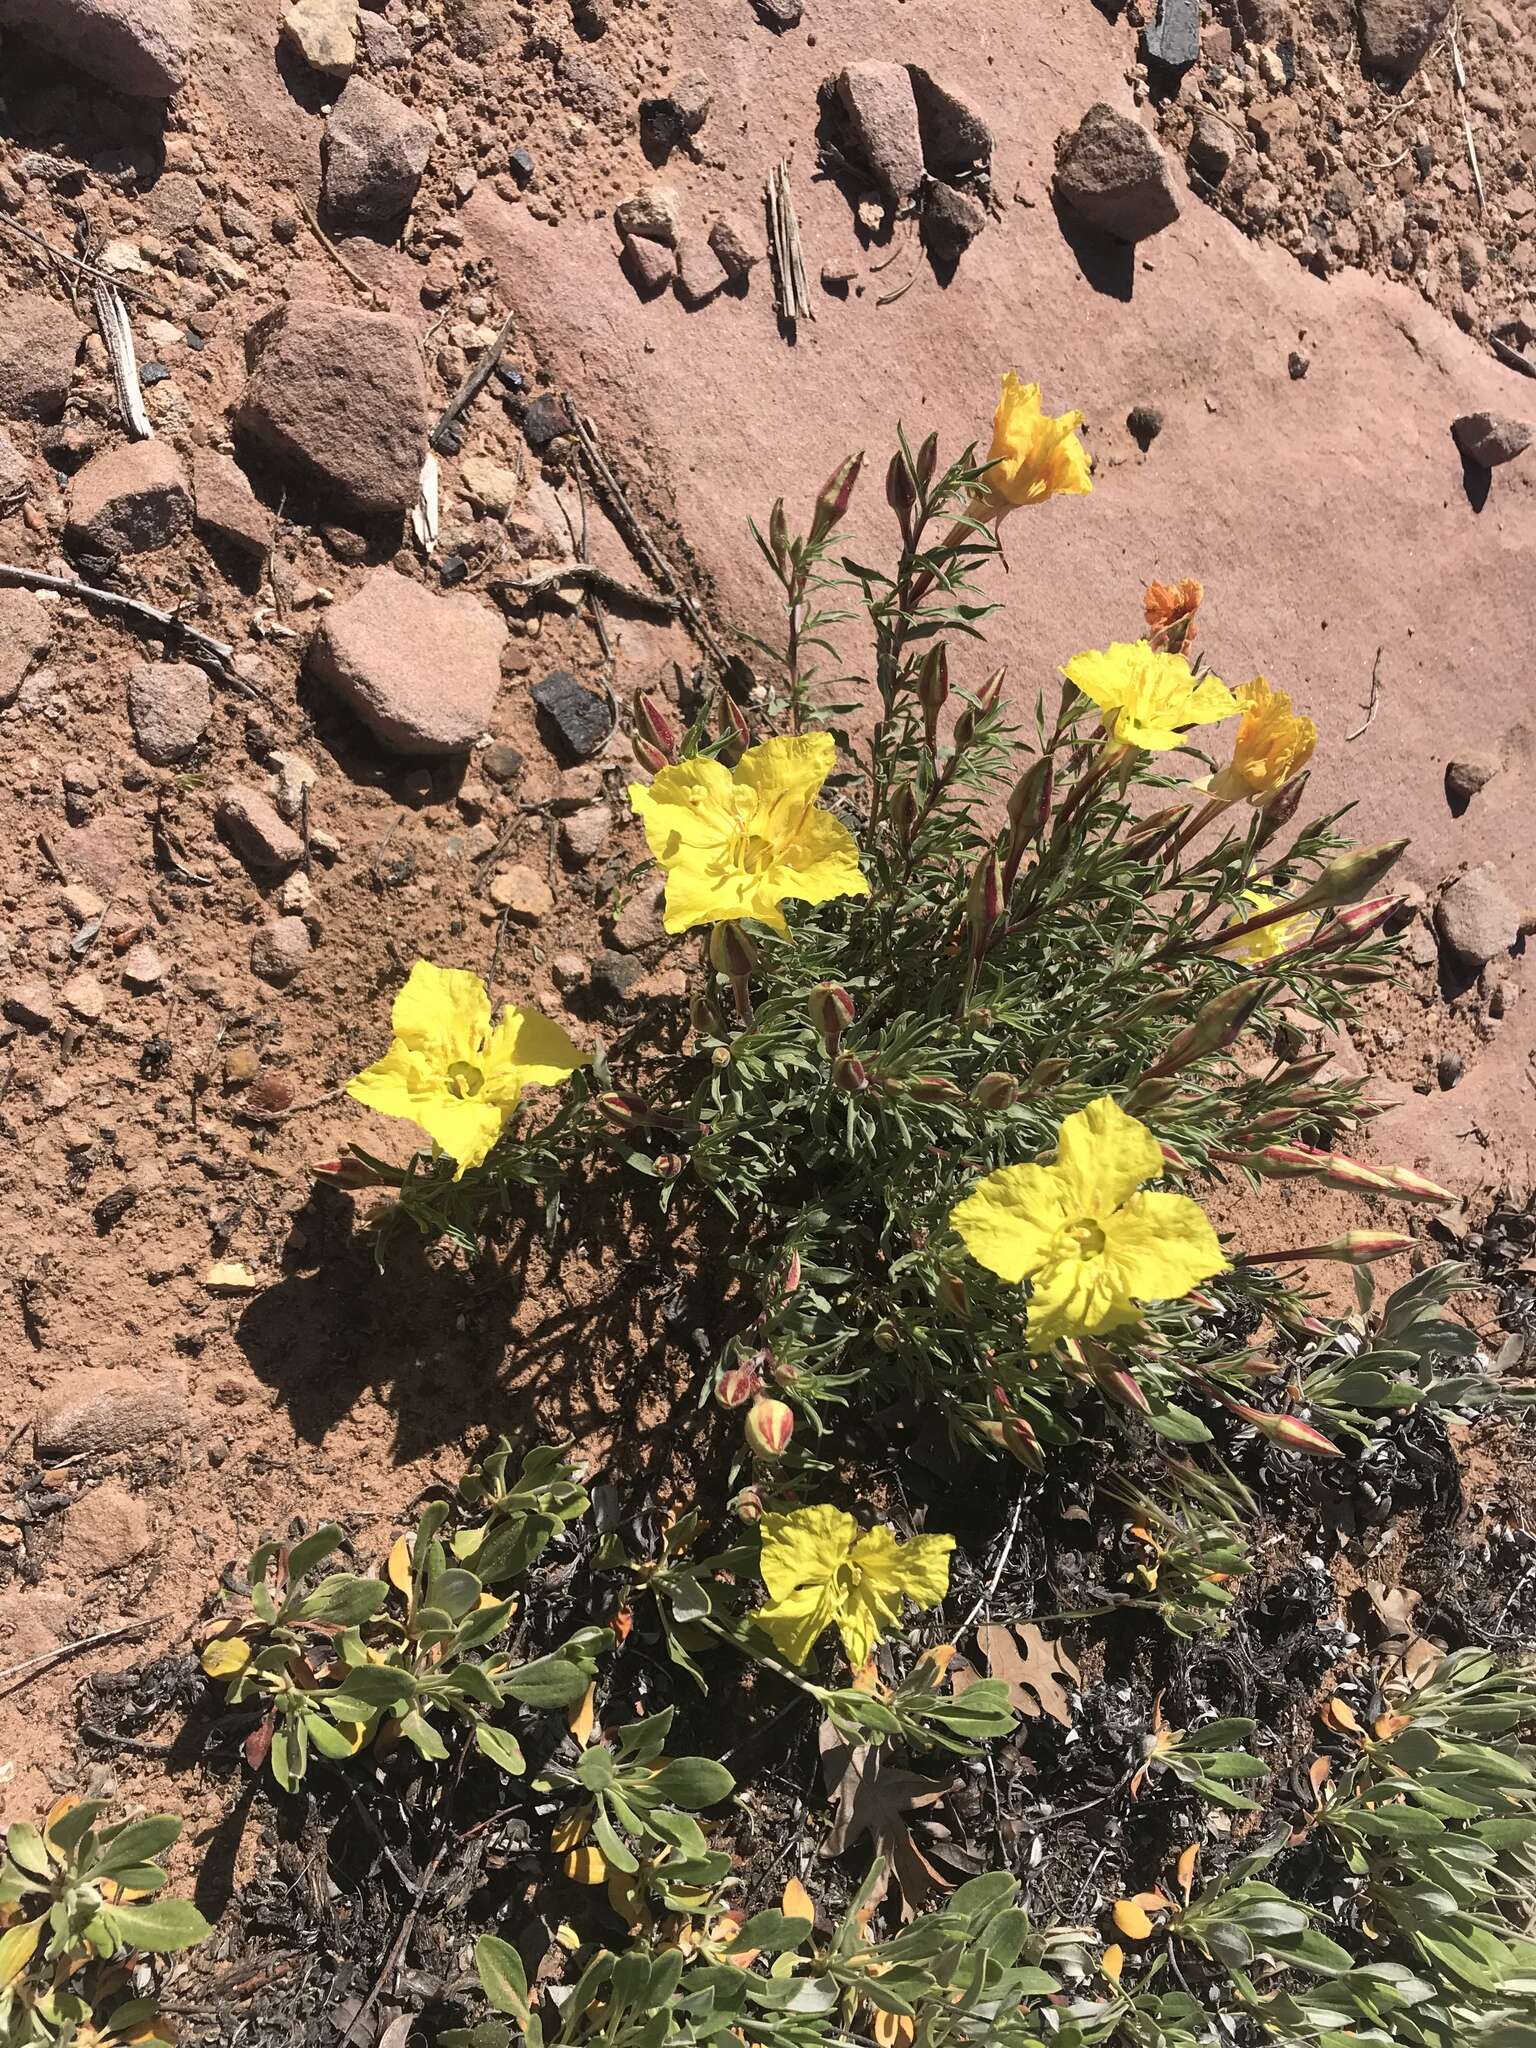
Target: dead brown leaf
(1036, 1671)
(873, 1797)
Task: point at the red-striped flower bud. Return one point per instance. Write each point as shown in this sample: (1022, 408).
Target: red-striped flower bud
(651, 758)
(736, 719)
(850, 1074)
(933, 688)
(653, 724)
(832, 1011)
(934, 1088)
(984, 902)
(348, 1172)
(790, 1279)
(1122, 1386)
(1044, 1074)
(1354, 1248)
(1409, 1186)
(1029, 804)
(769, 1427)
(996, 1092)
(668, 1165)
(1173, 1159)
(928, 460)
(903, 810)
(731, 952)
(624, 1112)
(747, 1506)
(1288, 1431)
(1013, 1434)
(1350, 927)
(1362, 973)
(833, 498)
(1278, 811)
(737, 1386)
(991, 690)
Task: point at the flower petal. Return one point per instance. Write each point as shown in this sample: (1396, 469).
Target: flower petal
(1010, 1220)
(464, 1127)
(1076, 1296)
(795, 1623)
(705, 891)
(689, 805)
(1161, 1246)
(1102, 1156)
(805, 1546)
(442, 1006)
(792, 766)
(536, 1048)
(821, 861)
(918, 1568)
(394, 1085)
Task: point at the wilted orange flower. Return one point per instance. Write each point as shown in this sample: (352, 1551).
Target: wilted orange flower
(1171, 609)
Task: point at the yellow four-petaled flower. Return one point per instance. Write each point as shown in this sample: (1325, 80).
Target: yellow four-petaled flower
(1149, 699)
(1033, 455)
(1091, 1246)
(823, 1571)
(454, 1072)
(736, 842)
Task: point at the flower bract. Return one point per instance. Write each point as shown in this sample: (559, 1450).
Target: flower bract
(1092, 1247)
(823, 1571)
(735, 842)
(1149, 699)
(1033, 455)
(1273, 743)
(454, 1072)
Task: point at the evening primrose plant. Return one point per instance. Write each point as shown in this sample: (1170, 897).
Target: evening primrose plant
(984, 1013)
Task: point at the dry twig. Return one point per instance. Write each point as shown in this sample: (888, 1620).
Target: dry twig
(15, 1676)
(794, 299)
(112, 319)
(209, 653)
(472, 386)
(1370, 709)
(87, 269)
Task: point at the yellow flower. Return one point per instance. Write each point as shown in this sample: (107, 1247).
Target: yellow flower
(1149, 699)
(823, 1571)
(1033, 456)
(452, 1071)
(736, 842)
(1079, 1232)
(1273, 744)
(1269, 939)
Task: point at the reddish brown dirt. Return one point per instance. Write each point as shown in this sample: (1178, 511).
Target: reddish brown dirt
(1327, 517)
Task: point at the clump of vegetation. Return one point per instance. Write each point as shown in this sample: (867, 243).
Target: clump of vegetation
(81, 1920)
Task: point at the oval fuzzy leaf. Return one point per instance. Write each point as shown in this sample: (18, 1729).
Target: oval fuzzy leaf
(691, 1782)
(160, 1928)
(501, 1748)
(502, 1976)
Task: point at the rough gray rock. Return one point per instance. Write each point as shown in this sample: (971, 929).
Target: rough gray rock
(1113, 175)
(1489, 438)
(952, 220)
(129, 500)
(169, 706)
(91, 1411)
(39, 341)
(700, 273)
(421, 670)
(324, 33)
(652, 215)
(251, 824)
(649, 266)
(1468, 774)
(1213, 148)
(577, 721)
(138, 47)
(955, 139)
(882, 110)
(1476, 920)
(739, 250)
(26, 634)
(15, 476)
(1395, 35)
(376, 150)
(338, 399)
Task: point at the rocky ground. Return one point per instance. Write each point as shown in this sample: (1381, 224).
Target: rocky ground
(383, 726)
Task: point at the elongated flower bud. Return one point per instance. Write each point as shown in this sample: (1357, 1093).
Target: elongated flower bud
(928, 460)
(886, 1335)
(347, 1172)
(1044, 1074)
(996, 1092)
(778, 532)
(1361, 973)
(984, 902)
(1289, 1431)
(1350, 877)
(652, 723)
(832, 499)
(769, 1427)
(965, 730)
(832, 1011)
(747, 1506)
(1301, 1070)
(933, 688)
(790, 1279)
(1122, 1386)
(623, 1111)
(1409, 1186)
(731, 952)
(935, 1088)
(903, 810)
(650, 757)
(1278, 811)
(850, 1074)
(737, 1386)
(1014, 1435)
(1029, 804)
(1173, 1159)
(991, 690)
(952, 1294)
(1222, 1021)
(1354, 1248)
(1351, 926)
(736, 720)
(900, 488)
